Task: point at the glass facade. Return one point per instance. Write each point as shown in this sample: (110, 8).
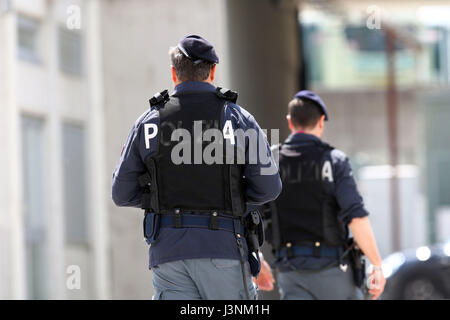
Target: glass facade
(348, 55)
(70, 52)
(34, 195)
(74, 168)
(28, 39)
(77, 240)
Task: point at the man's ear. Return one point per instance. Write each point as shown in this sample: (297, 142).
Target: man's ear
(212, 73)
(289, 120)
(174, 75)
(321, 121)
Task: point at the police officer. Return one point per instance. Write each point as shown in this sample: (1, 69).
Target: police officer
(309, 221)
(200, 217)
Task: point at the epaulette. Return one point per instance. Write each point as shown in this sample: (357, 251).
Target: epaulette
(159, 99)
(276, 147)
(327, 146)
(227, 94)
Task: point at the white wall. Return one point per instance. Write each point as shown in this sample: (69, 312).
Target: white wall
(443, 224)
(11, 271)
(374, 185)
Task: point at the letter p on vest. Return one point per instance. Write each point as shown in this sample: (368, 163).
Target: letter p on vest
(150, 131)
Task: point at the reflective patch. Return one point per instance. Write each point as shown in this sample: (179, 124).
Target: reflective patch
(150, 131)
(327, 172)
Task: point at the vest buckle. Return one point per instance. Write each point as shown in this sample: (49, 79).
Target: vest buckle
(214, 221)
(160, 97)
(289, 250)
(177, 218)
(316, 251)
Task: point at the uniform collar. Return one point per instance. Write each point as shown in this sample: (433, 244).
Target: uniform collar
(197, 86)
(301, 137)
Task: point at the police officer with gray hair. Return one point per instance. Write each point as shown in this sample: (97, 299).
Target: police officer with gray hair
(201, 218)
(308, 224)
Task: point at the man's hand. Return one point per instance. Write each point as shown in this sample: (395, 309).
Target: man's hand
(376, 282)
(363, 234)
(265, 279)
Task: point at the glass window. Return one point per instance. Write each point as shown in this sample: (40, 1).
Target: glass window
(27, 37)
(70, 52)
(340, 54)
(77, 250)
(444, 183)
(74, 184)
(34, 204)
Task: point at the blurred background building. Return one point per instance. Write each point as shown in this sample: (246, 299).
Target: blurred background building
(76, 74)
(54, 191)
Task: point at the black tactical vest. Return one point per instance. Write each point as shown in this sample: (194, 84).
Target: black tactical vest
(192, 187)
(306, 214)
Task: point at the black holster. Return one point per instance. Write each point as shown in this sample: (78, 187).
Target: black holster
(254, 235)
(151, 226)
(357, 262)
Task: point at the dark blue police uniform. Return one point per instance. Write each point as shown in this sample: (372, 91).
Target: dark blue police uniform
(192, 240)
(308, 226)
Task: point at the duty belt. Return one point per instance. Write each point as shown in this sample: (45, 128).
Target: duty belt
(311, 251)
(184, 220)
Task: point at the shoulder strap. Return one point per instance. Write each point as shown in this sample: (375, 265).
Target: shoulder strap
(276, 147)
(327, 146)
(227, 94)
(159, 99)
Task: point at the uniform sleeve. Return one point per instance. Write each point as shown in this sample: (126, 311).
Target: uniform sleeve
(347, 195)
(263, 183)
(126, 190)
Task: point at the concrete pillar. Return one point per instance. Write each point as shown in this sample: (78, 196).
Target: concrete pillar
(11, 213)
(263, 50)
(98, 192)
(55, 214)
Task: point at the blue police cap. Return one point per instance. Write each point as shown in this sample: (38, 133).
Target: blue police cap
(198, 49)
(306, 94)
